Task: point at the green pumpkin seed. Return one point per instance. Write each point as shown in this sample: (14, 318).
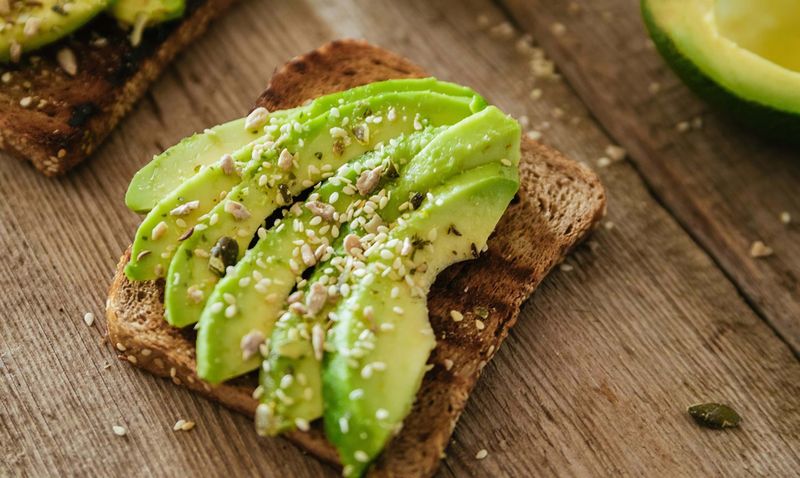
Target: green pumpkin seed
(714, 415)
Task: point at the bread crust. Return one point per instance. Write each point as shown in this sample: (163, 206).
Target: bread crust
(559, 203)
(68, 117)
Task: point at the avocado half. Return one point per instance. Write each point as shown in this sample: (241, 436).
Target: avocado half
(739, 55)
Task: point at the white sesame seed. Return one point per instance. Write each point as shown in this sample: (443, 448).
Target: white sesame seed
(481, 454)
(361, 456)
(456, 316)
(479, 324)
(786, 218)
(88, 319)
(381, 414)
(26, 102)
(356, 394)
(230, 311)
(759, 250)
(506, 162)
(398, 310)
(301, 424)
(67, 61)
(256, 119)
(158, 231)
(119, 430)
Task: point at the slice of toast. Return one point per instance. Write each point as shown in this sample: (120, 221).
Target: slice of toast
(56, 120)
(559, 202)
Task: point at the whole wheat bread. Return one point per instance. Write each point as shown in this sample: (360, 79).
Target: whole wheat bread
(559, 202)
(67, 117)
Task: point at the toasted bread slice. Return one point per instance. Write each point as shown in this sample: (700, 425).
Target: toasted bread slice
(56, 120)
(559, 202)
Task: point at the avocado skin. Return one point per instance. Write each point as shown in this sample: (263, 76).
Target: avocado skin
(169, 169)
(54, 25)
(472, 203)
(767, 121)
(188, 270)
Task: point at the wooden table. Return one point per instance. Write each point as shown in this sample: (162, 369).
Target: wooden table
(663, 308)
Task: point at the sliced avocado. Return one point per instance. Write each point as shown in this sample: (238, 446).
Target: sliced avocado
(487, 136)
(259, 284)
(141, 14)
(27, 26)
(302, 156)
(381, 336)
(739, 55)
(177, 215)
(168, 170)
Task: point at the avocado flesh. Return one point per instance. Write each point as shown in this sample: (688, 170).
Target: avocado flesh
(323, 137)
(260, 283)
(147, 13)
(700, 40)
(484, 137)
(168, 170)
(374, 370)
(768, 28)
(54, 23)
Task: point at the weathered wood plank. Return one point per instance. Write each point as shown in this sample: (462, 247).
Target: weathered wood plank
(727, 187)
(593, 380)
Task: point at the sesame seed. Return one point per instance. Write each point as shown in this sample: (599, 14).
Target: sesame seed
(88, 319)
(481, 454)
(257, 118)
(31, 27)
(381, 414)
(448, 364)
(505, 162)
(120, 347)
(230, 311)
(344, 425)
(356, 394)
(566, 267)
(6, 77)
(603, 162)
(479, 324)
(67, 61)
(361, 456)
(158, 231)
(759, 250)
(456, 316)
(26, 102)
(119, 430)
(301, 424)
(785, 217)
(558, 28)
(398, 310)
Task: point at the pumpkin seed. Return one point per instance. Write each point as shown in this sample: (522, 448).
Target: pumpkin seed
(714, 415)
(224, 253)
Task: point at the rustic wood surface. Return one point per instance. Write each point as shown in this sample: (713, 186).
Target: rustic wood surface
(662, 309)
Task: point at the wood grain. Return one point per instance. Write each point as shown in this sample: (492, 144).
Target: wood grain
(725, 186)
(593, 380)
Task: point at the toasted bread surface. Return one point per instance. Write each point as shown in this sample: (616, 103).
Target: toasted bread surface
(558, 204)
(56, 120)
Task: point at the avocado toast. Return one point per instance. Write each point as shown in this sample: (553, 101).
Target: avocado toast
(470, 306)
(59, 102)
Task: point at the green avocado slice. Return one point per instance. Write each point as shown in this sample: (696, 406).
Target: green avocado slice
(28, 26)
(381, 337)
(303, 155)
(141, 14)
(168, 170)
(259, 284)
(487, 136)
